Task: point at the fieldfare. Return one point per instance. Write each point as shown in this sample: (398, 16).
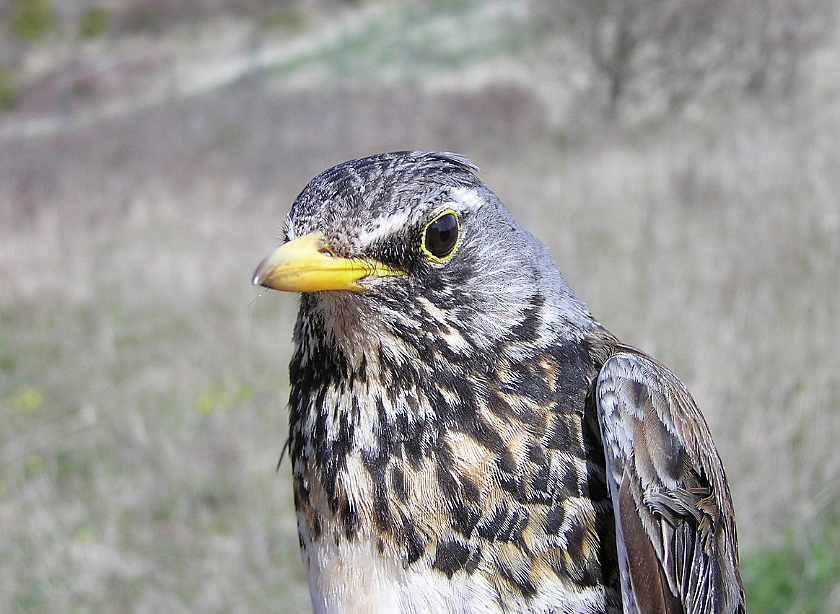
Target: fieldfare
(464, 435)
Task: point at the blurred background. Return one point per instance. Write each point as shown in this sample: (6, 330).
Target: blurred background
(680, 158)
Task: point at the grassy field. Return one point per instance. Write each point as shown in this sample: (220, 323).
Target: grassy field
(143, 379)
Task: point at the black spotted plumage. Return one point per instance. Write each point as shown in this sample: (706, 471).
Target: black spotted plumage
(464, 436)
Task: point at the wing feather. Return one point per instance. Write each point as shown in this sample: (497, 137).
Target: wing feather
(674, 518)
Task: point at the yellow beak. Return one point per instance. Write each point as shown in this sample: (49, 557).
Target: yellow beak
(306, 265)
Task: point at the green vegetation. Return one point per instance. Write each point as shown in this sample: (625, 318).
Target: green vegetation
(800, 575)
(32, 18)
(8, 97)
(95, 22)
(293, 20)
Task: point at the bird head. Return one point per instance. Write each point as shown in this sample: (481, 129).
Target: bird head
(414, 245)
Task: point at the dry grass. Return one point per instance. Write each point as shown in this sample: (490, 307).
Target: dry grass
(142, 379)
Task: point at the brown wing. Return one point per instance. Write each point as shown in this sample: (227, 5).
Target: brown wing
(675, 525)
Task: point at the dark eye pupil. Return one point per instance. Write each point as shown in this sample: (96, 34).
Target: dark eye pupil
(442, 235)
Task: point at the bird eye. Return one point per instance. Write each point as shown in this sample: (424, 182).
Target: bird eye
(441, 236)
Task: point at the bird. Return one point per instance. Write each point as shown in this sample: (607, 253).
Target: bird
(464, 435)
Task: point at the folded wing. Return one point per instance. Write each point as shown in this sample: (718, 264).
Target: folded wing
(675, 523)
